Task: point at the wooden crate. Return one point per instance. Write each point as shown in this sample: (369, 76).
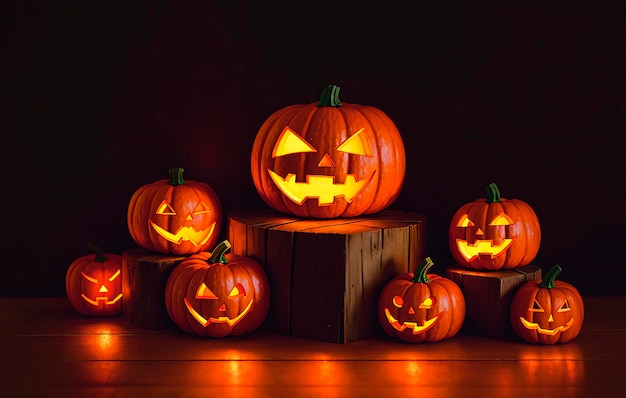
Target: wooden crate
(488, 297)
(144, 275)
(326, 275)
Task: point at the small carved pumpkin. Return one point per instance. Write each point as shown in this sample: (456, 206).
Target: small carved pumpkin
(217, 294)
(93, 283)
(175, 216)
(328, 159)
(494, 233)
(547, 311)
(418, 307)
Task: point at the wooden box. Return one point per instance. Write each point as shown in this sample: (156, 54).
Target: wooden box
(488, 297)
(326, 275)
(144, 276)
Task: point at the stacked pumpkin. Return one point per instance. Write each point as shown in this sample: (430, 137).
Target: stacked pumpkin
(209, 293)
(331, 159)
(494, 233)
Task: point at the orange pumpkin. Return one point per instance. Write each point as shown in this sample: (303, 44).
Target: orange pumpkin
(418, 307)
(175, 216)
(328, 159)
(93, 283)
(494, 233)
(547, 311)
(217, 294)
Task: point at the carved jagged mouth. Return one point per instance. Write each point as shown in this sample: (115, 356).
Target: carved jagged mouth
(549, 332)
(222, 319)
(417, 329)
(197, 238)
(322, 187)
(104, 300)
(482, 247)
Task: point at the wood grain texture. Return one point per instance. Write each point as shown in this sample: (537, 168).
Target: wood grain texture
(48, 350)
(326, 275)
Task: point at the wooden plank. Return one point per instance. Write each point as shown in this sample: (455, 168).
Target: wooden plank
(488, 296)
(326, 275)
(144, 276)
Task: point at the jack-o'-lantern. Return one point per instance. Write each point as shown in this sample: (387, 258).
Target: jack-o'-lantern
(175, 216)
(217, 294)
(93, 283)
(328, 159)
(418, 307)
(494, 233)
(547, 311)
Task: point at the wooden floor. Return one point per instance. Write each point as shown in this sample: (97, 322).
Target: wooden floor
(47, 350)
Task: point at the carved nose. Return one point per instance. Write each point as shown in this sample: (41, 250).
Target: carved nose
(326, 162)
(189, 217)
(103, 289)
(223, 307)
(479, 231)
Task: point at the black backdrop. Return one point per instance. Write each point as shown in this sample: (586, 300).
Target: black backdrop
(99, 99)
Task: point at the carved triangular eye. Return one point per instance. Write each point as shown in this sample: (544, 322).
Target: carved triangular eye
(290, 142)
(357, 144)
(464, 221)
(564, 307)
(502, 220)
(238, 291)
(204, 292)
(202, 208)
(536, 307)
(165, 209)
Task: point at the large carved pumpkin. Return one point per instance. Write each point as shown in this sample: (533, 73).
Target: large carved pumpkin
(93, 283)
(494, 233)
(547, 311)
(217, 294)
(328, 159)
(418, 307)
(175, 216)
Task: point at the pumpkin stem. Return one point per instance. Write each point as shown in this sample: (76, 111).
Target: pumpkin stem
(217, 256)
(421, 274)
(330, 97)
(493, 193)
(100, 256)
(176, 176)
(548, 279)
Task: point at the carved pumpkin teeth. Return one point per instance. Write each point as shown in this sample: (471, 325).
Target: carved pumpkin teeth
(197, 238)
(221, 319)
(412, 325)
(322, 187)
(482, 247)
(549, 332)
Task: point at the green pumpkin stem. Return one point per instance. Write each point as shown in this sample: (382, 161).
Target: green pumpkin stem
(217, 256)
(330, 97)
(548, 280)
(176, 176)
(421, 274)
(493, 193)
(100, 256)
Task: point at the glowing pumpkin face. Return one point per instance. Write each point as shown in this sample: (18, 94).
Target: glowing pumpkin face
(213, 294)
(494, 233)
(328, 159)
(547, 311)
(93, 283)
(421, 307)
(175, 216)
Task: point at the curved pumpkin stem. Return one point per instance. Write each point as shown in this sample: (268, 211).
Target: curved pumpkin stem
(176, 176)
(493, 193)
(548, 280)
(330, 97)
(421, 274)
(217, 255)
(100, 256)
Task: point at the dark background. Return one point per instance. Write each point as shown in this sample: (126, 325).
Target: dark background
(99, 99)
